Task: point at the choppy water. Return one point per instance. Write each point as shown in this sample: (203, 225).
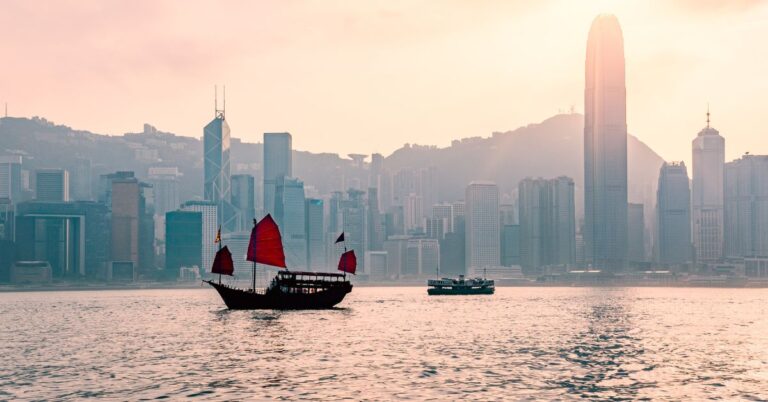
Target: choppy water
(389, 344)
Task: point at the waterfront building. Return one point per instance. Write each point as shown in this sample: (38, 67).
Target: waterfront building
(209, 213)
(70, 236)
(52, 185)
(482, 226)
(132, 237)
(422, 257)
(708, 199)
(278, 162)
(673, 203)
(183, 237)
(746, 207)
(396, 248)
(605, 147)
(547, 231)
(377, 265)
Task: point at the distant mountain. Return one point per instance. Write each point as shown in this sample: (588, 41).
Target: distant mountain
(547, 149)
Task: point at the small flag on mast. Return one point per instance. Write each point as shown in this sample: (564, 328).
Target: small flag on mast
(218, 236)
(340, 238)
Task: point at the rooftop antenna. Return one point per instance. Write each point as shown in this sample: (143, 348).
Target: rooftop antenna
(707, 114)
(219, 113)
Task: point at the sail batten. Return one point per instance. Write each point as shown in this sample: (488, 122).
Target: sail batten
(266, 244)
(222, 263)
(348, 262)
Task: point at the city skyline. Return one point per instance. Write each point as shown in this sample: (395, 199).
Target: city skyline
(506, 32)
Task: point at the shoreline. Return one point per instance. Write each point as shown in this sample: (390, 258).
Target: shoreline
(190, 286)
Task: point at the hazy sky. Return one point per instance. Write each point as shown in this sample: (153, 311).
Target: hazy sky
(369, 76)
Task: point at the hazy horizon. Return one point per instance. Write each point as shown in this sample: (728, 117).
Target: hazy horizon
(370, 77)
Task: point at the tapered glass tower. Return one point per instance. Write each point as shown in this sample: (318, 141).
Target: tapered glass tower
(218, 181)
(605, 147)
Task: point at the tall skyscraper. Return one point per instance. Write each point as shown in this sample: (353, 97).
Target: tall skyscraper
(605, 147)
(51, 185)
(483, 241)
(278, 162)
(746, 207)
(217, 171)
(289, 215)
(316, 245)
(673, 212)
(707, 195)
(10, 178)
(243, 200)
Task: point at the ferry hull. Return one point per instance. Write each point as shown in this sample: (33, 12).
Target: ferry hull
(274, 299)
(459, 292)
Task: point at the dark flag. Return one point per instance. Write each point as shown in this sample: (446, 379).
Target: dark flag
(340, 238)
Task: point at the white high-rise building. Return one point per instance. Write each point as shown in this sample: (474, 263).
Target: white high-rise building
(444, 212)
(483, 241)
(707, 198)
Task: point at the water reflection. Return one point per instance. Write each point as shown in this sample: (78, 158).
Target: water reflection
(605, 356)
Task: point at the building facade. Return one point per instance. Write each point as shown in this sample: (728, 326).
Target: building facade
(482, 238)
(278, 162)
(707, 197)
(605, 147)
(673, 203)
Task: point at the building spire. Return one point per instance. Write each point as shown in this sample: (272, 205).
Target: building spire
(219, 113)
(707, 114)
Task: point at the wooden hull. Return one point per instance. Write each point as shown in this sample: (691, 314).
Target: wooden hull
(275, 299)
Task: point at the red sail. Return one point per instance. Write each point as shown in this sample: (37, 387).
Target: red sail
(222, 263)
(266, 245)
(348, 262)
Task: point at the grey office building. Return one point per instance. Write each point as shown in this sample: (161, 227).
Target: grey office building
(243, 200)
(673, 212)
(278, 162)
(746, 207)
(52, 185)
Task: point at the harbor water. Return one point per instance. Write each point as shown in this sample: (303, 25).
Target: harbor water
(388, 344)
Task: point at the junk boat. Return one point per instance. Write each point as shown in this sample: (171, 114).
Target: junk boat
(289, 290)
(460, 286)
